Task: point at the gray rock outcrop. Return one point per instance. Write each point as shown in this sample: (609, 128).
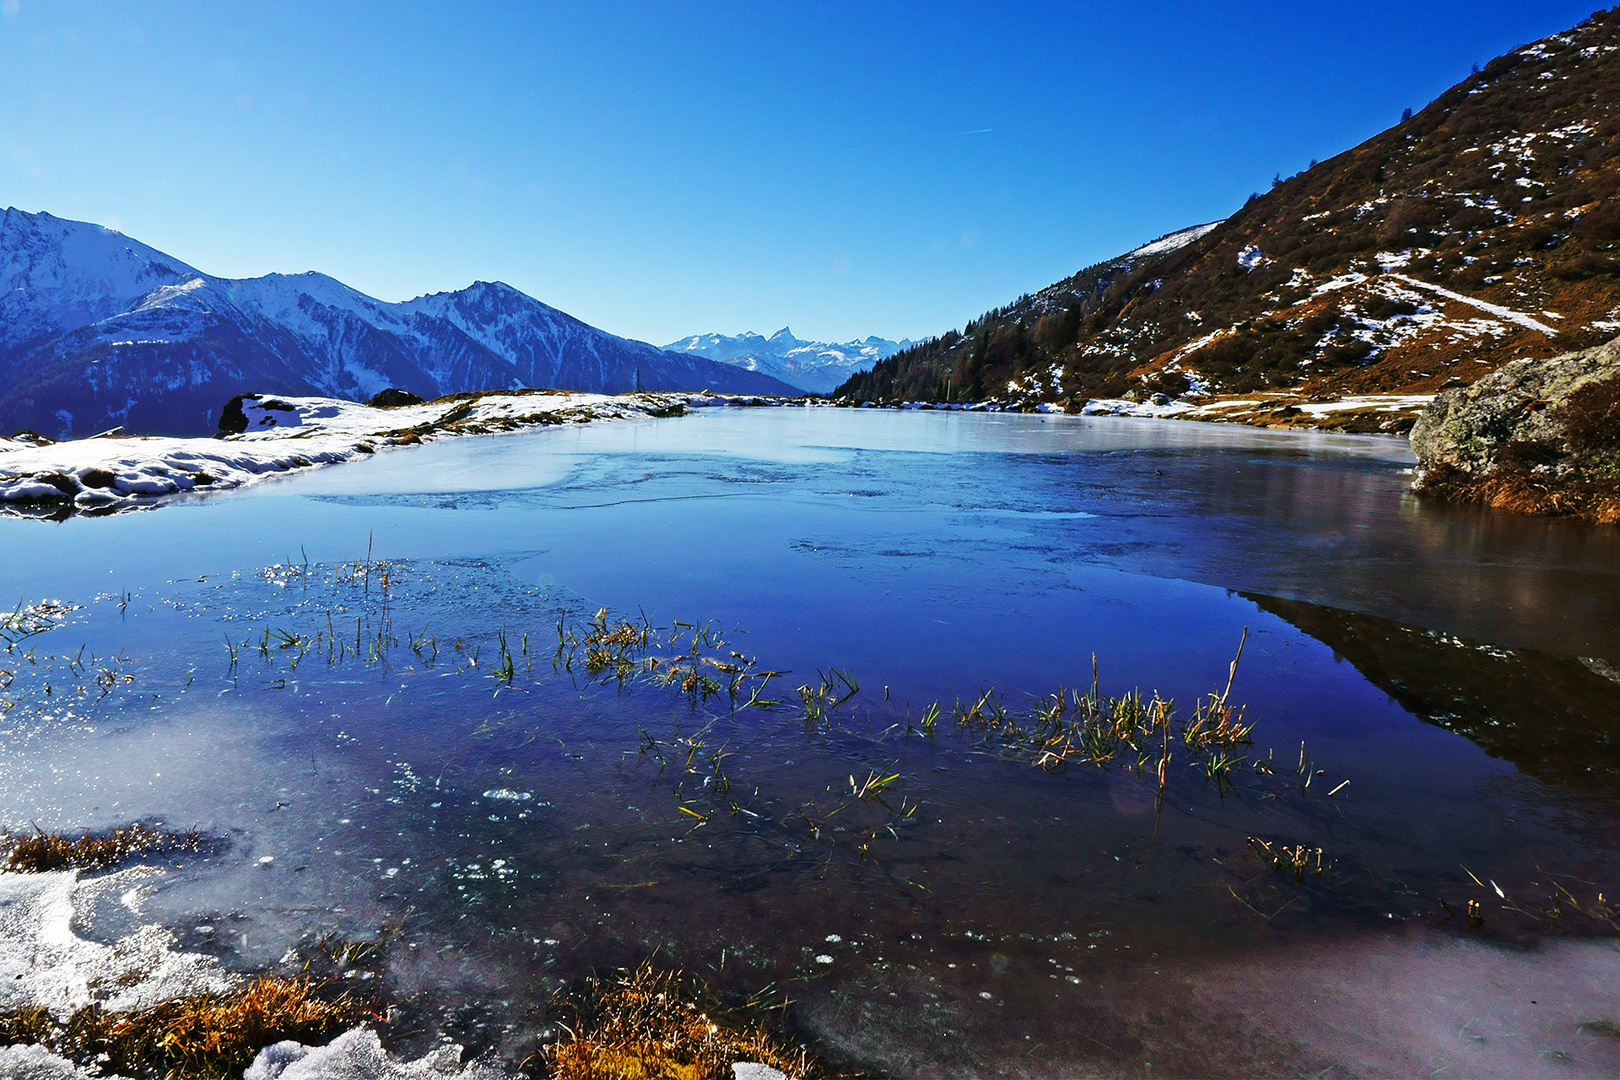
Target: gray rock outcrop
(1535, 436)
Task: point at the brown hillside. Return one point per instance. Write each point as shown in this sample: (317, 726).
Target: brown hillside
(1484, 229)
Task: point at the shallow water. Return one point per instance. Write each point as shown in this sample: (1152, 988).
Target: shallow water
(1458, 667)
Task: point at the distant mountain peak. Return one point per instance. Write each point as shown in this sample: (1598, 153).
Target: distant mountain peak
(816, 366)
(74, 296)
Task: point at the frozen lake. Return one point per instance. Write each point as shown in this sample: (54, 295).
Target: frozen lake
(505, 834)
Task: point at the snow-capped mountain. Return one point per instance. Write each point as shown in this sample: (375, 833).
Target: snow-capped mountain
(816, 366)
(98, 330)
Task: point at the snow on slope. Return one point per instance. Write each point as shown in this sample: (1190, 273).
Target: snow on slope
(56, 273)
(97, 331)
(1171, 241)
(817, 366)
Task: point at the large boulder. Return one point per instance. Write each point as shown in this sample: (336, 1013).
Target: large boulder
(1534, 436)
(394, 398)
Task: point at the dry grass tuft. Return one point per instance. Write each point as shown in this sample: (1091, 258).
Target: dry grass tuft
(650, 1023)
(1524, 492)
(40, 851)
(204, 1036)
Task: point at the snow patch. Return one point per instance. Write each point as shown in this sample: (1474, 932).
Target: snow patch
(1158, 406)
(29, 1062)
(359, 1055)
(1171, 241)
(44, 963)
(1495, 309)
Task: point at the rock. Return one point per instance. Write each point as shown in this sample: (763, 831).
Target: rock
(235, 417)
(1534, 436)
(62, 482)
(232, 420)
(393, 398)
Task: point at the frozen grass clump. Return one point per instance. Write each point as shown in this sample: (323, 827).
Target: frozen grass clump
(39, 852)
(648, 1022)
(204, 1036)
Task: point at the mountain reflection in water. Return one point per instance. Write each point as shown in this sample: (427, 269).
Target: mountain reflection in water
(1554, 717)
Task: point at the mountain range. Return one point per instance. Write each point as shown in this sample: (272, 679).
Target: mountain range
(816, 366)
(98, 330)
(1483, 229)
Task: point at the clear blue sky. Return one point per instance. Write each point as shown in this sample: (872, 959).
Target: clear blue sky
(659, 170)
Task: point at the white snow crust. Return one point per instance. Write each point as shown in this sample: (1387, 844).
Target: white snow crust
(29, 1062)
(308, 432)
(359, 1055)
(1495, 309)
(45, 963)
(1171, 242)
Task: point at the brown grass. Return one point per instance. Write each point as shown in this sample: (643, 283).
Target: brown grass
(1522, 492)
(203, 1036)
(651, 1023)
(40, 851)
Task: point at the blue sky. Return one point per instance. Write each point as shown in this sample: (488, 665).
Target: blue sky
(659, 170)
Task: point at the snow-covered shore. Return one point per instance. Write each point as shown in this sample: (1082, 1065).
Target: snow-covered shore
(112, 473)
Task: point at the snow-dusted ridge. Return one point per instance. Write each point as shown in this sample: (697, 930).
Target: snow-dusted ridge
(1171, 241)
(109, 474)
(99, 330)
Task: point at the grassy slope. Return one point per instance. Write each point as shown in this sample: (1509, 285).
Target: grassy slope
(1506, 190)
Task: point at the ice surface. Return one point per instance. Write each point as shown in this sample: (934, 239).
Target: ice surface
(43, 962)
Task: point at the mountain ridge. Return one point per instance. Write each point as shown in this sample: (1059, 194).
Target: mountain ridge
(99, 330)
(1483, 229)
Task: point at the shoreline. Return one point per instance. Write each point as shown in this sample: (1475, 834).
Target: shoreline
(113, 473)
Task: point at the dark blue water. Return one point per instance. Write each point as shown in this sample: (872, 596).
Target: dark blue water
(1457, 667)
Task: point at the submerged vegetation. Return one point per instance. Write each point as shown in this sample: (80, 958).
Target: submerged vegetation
(703, 700)
(26, 620)
(648, 1022)
(1094, 729)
